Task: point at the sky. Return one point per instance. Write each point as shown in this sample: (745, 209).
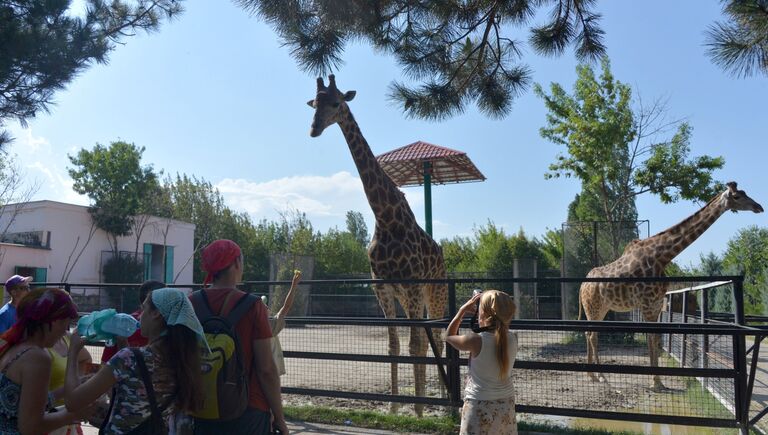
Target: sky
(214, 94)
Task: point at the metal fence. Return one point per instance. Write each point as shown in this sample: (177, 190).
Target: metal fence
(332, 360)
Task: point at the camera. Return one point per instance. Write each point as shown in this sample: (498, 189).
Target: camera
(474, 325)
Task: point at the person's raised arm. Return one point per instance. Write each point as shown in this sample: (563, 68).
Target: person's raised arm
(286, 308)
(468, 342)
(78, 396)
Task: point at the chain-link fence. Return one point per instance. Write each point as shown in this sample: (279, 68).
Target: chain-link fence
(590, 244)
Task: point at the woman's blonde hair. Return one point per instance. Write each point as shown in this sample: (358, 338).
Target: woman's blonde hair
(499, 309)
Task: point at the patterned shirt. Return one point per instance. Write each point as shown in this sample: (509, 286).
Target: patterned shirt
(131, 402)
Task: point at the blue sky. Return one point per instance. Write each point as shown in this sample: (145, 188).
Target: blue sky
(214, 95)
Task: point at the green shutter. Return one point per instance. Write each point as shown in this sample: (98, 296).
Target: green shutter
(169, 264)
(41, 274)
(147, 261)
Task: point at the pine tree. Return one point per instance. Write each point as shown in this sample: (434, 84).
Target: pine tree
(44, 46)
(457, 52)
(740, 45)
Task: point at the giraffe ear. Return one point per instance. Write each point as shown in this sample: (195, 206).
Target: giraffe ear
(311, 103)
(732, 186)
(350, 95)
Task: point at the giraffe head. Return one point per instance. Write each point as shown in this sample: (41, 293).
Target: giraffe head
(327, 104)
(737, 200)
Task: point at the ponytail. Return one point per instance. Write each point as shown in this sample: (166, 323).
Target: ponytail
(501, 309)
(502, 348)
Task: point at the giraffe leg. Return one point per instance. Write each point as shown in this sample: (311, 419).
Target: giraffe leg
(418, 347)
(592, 355)
(589, 299)
(437, 301)
(386, 298)
(654, 349)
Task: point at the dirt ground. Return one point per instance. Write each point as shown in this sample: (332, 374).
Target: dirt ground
(629, 393)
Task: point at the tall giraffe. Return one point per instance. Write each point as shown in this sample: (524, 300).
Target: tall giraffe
(399, 249)
(649, 258)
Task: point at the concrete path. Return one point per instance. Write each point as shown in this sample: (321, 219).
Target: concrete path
(303, 428)
(760, 390)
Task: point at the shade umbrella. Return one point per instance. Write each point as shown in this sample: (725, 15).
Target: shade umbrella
(425, 163)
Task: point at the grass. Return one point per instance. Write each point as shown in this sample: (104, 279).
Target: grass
(441, 425)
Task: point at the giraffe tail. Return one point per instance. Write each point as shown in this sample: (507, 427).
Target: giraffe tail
(580, 308)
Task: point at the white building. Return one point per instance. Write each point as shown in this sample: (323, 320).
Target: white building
(56, 243)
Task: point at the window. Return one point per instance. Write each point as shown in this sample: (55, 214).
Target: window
(158, 262)
(39, 274)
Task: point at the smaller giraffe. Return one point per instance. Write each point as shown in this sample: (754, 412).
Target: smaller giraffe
(649, 258)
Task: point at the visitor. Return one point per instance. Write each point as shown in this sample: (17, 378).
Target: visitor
(17, 286)
(44, 316)
(223, 262)
(151, 382)
(489, 395)
(59, 353)
(135, 340)
(277, 323)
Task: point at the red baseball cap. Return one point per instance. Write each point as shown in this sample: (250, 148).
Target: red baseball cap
(217, 256)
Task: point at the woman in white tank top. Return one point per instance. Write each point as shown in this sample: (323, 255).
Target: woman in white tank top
(489, 396)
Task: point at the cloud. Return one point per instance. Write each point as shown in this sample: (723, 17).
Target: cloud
(324, 199)
(317, 196)
(38, 156)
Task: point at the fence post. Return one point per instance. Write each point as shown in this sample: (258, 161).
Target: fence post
(684, 311)
(704, 362)
(670, 320)
(516, 287)
(454, 372)
(740, 361)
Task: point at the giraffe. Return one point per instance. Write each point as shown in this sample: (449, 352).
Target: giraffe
(648, 258)
(399, 249)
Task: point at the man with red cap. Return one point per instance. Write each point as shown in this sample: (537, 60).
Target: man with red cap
(222, 260)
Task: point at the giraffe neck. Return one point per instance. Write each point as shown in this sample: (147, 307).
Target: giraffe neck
(386, 200)
(672, 241)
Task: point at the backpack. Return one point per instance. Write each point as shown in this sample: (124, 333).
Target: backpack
(224, 378)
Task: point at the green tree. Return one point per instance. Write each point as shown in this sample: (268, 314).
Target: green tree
(494, 253)
(197, 201)
(460, 254)
(459, 52)
(551, 249)
(610, 148)
(43, 46)
(740, 44)
(116, 182)
(720, 299)
(339, 254)
(357, 227)
(747, 254)
(607, 143)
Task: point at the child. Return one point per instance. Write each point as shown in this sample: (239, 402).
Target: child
(277, 323)
(489, 390)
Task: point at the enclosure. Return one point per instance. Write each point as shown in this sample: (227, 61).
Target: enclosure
(708, 366)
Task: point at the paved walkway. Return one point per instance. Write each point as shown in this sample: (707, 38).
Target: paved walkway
(303, 428)
(760, 390)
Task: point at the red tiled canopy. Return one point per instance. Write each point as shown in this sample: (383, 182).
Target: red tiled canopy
(405, 165)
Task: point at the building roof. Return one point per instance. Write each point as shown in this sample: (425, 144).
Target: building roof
(405, 165)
